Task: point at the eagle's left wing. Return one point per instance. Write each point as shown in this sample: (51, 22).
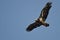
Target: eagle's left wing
(33, 26)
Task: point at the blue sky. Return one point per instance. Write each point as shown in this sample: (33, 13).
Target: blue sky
(16, 15)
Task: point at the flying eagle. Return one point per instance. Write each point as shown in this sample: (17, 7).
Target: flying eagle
(41, 20)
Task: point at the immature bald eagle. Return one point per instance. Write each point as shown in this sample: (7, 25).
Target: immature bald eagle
(41, 20)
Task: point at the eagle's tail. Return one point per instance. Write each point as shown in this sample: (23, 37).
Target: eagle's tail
(32, 26)
(45, 24)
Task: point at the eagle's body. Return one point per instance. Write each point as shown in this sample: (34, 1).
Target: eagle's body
(41, 20)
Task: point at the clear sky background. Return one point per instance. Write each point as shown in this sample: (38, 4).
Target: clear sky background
(16, 15)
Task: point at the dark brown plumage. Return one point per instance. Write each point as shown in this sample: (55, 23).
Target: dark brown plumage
(41, 20)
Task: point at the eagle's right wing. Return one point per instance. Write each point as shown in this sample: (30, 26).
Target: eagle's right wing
(45, 11)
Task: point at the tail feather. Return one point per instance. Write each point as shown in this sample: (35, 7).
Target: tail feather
(46, 24)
